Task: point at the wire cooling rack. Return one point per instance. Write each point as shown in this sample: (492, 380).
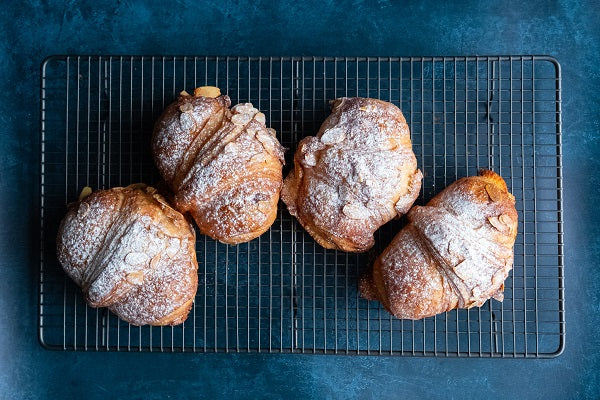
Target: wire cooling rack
(282, 292)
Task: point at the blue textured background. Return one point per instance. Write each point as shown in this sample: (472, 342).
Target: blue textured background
(31, 30)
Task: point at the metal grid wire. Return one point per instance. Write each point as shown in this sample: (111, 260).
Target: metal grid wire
(282, 292)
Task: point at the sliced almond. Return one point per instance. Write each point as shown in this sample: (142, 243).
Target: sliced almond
(390, 144)
(135, 278)
(267, 141)
(506, 220)
(207, 91)
(258, 158)
(496, 223)
(264, 207)
(332, 136)
(260, 117)
(136, 258)
(454, 248)
(244, 108)
(240, 119)
(231, 147)
(154, 262)
(84, 209)
(184, 93)
(171, 251)
(310, 159)
(463, 270)
(174, 246)
(186, 107)
(272, 131)
(337, 103)
(85, 192)
(367, 108)
(355, 211)
(494, 193)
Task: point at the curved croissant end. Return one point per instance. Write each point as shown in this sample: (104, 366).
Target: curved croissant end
(455, 252)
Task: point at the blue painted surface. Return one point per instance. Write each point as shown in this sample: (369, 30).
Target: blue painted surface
(31, 30)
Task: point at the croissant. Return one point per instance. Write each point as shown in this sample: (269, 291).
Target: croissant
(224, 166)
(455, 252)
(130, 251)
(358, 173)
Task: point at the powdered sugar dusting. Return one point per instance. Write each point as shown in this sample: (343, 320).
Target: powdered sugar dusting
(228, 176)
(450, 255)
(358, 173)
(127, 243)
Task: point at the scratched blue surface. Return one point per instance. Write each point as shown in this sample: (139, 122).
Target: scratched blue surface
(31, 30)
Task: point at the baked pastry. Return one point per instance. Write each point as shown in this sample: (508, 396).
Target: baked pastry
(130, 251)
(358, 173)
(455, 252)
(223, 166)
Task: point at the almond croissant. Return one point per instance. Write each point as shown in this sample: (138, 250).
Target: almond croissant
(358, 173)
(131, 252)
(455, 252)
(223, 166)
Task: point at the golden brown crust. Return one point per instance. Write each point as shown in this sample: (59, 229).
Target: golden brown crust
(131, 252)
(455, 252)
(358, 173)
(223, 166)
